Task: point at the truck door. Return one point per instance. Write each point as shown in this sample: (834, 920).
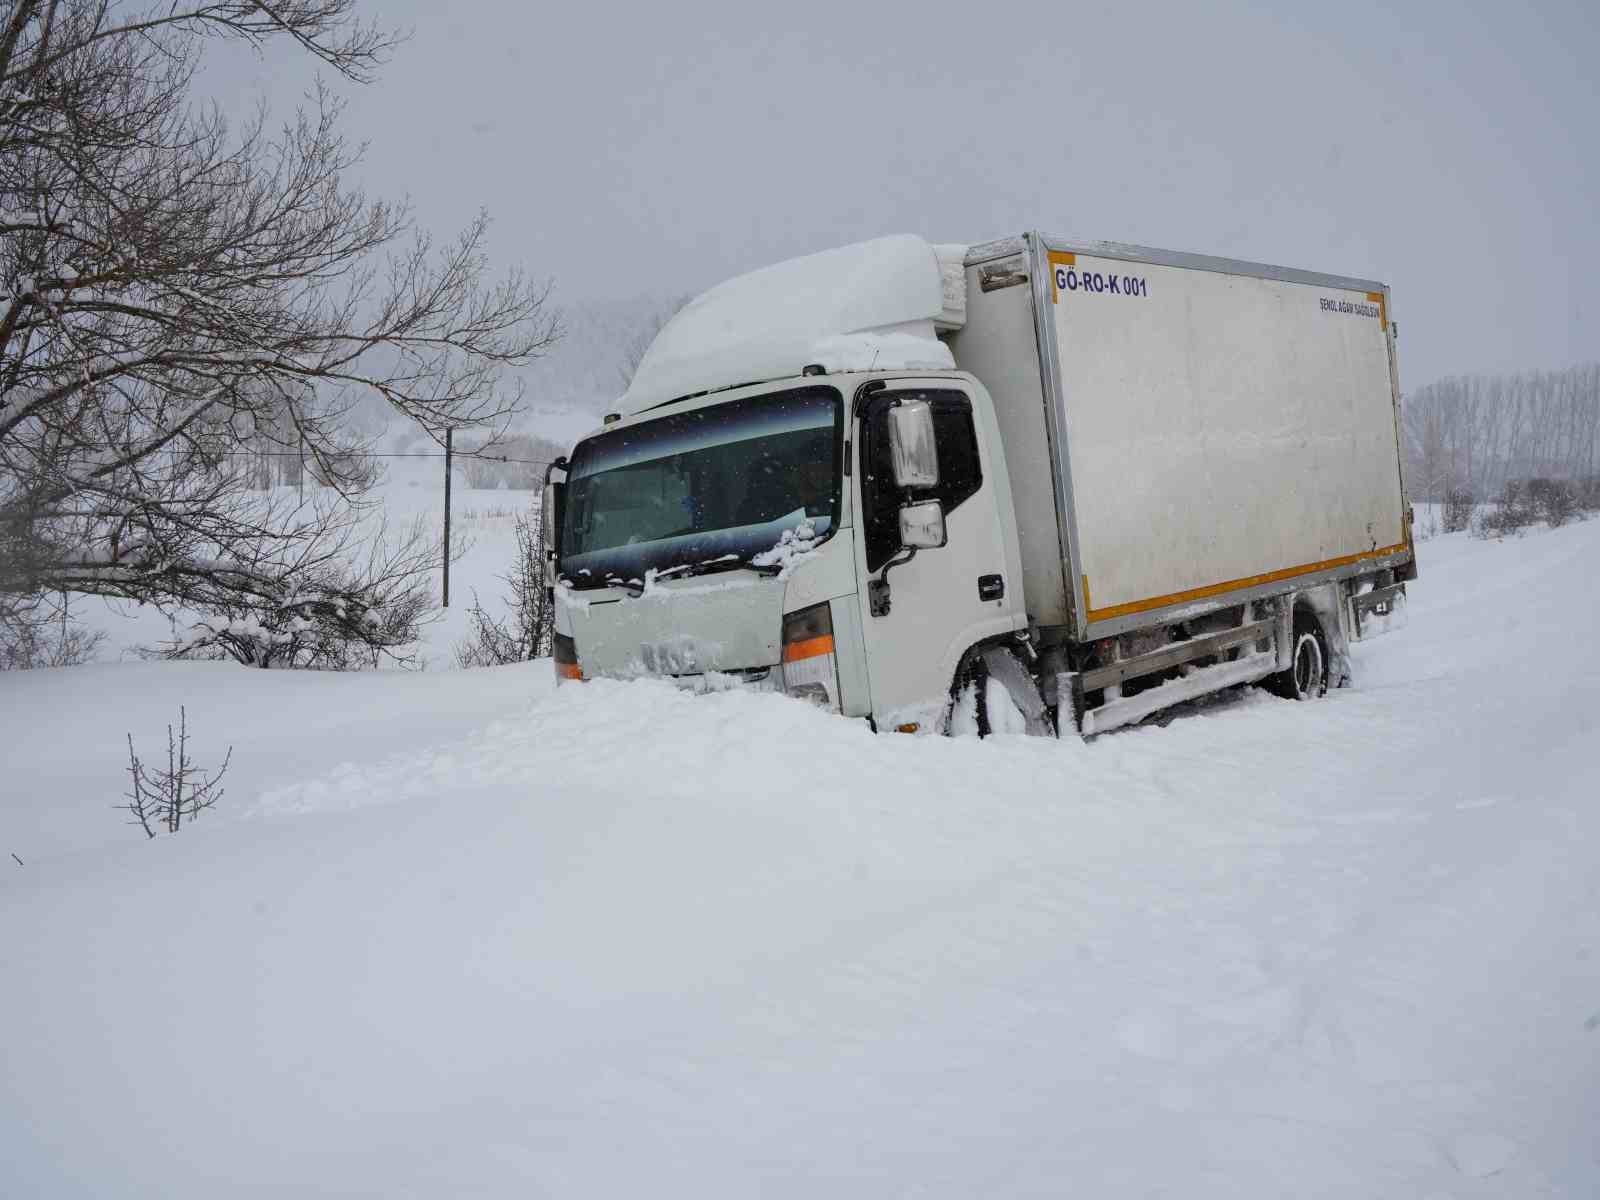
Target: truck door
(938, 602)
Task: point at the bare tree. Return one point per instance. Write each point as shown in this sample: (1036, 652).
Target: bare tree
(1473, 434)
(174, 294)
(41, 633)
(1459, 505)
(524, 633)
(163, 799)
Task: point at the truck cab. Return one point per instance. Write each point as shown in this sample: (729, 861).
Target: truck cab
(844, 537)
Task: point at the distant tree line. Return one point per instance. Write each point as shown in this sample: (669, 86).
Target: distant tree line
(516, 461)
(1468, 437)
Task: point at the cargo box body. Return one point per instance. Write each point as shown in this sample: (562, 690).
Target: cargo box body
(1183, 432)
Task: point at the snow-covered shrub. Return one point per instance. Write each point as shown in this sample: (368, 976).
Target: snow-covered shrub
(1522, 502)
(1457, 510)
(326, 628)
(1588, 493)
(1555, 501)
(337, 607)
(525, 631)
(161, 800)
(1511, 512)
(492, 514)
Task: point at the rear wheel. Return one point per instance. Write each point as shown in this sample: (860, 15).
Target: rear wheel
(1307, 676)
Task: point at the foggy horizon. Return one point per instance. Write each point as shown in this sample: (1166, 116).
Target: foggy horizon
(1442, 150)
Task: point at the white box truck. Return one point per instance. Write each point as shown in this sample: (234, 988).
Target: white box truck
(1029, 485)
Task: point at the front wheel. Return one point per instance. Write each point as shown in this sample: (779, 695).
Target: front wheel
(994, 693)
(1307, 676)
(969, 700)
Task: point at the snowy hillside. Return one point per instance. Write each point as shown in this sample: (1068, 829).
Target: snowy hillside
(455, 934)
(589, 367)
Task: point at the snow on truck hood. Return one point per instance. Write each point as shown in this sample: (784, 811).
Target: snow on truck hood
(875, 305)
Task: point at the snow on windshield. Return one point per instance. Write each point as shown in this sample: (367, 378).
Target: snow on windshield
(794, 545)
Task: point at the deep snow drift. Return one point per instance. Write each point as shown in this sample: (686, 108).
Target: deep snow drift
(458, 935)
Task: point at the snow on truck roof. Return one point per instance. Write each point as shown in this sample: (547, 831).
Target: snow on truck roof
(875, 305)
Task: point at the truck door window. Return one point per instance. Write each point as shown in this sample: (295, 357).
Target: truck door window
(960, 473)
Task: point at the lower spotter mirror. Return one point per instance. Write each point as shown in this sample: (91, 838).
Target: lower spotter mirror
(922, 525)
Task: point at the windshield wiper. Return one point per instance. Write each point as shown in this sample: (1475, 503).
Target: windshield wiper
(635, 587)
(731, 562)
(632, 586)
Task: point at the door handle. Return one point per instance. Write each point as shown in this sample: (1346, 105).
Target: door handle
(991, 587)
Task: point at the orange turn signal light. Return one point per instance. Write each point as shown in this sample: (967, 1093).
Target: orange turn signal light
(809, 648)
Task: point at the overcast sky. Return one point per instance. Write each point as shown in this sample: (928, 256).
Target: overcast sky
(1448, 149)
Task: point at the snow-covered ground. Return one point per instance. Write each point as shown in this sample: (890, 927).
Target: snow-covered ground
(455, 934)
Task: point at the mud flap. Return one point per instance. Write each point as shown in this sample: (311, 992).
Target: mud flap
(1377, 611)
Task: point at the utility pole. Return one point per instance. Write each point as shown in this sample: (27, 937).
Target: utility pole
(447, 452)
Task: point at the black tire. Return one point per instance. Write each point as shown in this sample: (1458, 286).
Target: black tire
(973, 673)
(1004, 668)
(1307, 676)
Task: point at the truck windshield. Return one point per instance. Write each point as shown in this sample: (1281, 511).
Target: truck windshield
(717, 484)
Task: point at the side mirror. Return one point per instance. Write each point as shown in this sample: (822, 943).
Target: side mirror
(912, 446)
(921, 528)
(922, 525)
(550, 527)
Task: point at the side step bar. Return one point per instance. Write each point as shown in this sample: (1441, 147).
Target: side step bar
(1114, 713)
(1177, 654)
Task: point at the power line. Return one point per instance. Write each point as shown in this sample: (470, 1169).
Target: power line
(496, 458)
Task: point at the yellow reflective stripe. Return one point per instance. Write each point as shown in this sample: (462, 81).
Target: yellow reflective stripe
(1216, 589)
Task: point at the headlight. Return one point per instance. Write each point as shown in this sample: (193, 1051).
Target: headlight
(810, 668)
